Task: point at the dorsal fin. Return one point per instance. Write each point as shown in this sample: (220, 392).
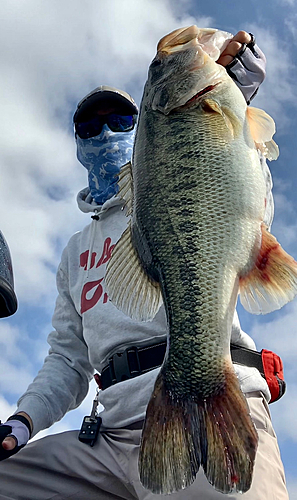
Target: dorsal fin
(125, 183)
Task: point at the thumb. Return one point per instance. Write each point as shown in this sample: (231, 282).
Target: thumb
(9, 443)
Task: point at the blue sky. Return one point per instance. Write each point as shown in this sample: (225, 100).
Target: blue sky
(53, 53)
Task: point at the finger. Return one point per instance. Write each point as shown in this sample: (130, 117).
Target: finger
(242, 37)
(234, 47)
(229, 53)
(224, 60)
(9, 443)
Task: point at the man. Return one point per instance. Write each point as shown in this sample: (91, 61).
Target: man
(90, 333)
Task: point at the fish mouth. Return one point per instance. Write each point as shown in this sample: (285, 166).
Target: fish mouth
(178, 40)
(197, 97)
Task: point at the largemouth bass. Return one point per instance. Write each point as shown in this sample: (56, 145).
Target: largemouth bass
(196, 193)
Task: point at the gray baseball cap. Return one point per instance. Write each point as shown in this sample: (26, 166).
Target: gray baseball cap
(105, 97)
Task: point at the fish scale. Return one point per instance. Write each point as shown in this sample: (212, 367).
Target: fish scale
(196, 195)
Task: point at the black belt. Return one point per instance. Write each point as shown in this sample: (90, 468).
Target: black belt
(135, 361)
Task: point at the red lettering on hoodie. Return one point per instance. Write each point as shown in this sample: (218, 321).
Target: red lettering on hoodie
(87, 302)
(106, 254)
(84, 259)
(93, 290)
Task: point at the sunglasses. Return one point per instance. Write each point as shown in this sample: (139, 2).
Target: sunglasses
(116, 123)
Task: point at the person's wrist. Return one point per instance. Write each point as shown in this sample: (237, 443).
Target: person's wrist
(24, 418)
(22, 413)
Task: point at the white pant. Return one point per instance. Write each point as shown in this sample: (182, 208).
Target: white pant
(61, 467)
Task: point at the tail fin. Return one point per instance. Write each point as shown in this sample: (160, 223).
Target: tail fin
(181, 434)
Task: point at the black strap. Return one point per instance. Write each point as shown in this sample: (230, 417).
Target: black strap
(132, 362)
(137, 360)
(22, 419)
(247, 357)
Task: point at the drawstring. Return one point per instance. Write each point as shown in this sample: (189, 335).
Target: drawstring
(95, 218)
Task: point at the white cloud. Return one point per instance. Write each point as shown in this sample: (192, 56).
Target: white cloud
(17, 354)
(6, 409)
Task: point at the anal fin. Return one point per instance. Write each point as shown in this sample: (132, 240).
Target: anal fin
(273, 280)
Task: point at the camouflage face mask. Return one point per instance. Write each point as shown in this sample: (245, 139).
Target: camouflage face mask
(103, 157)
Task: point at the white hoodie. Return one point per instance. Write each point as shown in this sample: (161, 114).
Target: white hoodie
(88, 330)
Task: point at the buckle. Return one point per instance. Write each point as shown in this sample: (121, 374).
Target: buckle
(121, 369)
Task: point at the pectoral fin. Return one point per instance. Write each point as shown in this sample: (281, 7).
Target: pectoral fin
(231, 121)
(262, 128)
(128, 285)
(272, 282)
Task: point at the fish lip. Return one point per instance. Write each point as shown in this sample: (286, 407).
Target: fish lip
(196, 97)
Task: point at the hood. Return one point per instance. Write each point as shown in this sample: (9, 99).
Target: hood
(87, 204)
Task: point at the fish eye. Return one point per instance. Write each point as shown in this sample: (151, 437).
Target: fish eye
(155, 63)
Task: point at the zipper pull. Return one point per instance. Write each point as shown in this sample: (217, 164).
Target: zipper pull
(95, 404)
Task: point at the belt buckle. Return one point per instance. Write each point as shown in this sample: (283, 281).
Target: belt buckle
(119, 365)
